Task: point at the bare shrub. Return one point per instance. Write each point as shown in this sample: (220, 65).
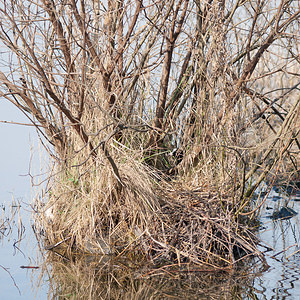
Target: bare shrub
(149, 106)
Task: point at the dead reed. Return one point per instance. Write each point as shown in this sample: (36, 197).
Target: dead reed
(162, 118)
(146, 216)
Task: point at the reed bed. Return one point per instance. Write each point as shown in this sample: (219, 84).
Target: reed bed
(162, 118)
(146, 216)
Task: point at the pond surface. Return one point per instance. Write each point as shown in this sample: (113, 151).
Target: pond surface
(18, 246)
(280, 281)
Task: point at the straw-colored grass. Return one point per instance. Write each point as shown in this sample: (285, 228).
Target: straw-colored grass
(146, 215)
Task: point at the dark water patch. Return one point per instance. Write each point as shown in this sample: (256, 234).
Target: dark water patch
(276, 198)
(288, 189)
(283, 213)
(297, 196)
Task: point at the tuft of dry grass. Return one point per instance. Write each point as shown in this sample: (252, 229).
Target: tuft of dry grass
(145, 215)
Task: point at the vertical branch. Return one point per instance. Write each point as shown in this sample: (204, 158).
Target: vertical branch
(50, 8)
(90, 45)
(120, 38)
(170, 43)
(84, 64)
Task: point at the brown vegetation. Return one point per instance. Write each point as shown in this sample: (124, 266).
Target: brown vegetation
(162, 118)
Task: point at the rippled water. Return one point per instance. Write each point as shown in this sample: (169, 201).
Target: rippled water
(18, 248)
(280, 281)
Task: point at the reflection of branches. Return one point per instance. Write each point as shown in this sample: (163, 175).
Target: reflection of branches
(16, 247)
(98, 278)
(5, 269)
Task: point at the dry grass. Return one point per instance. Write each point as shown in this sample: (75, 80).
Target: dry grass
(147, 216)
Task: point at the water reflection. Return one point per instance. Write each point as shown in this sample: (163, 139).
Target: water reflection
(18, 248)
(282, 280)
(104, 277)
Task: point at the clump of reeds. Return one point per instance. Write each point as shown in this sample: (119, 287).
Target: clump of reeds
(143, 214)
(161, 118)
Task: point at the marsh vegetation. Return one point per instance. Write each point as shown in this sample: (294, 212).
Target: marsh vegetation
(161, 119)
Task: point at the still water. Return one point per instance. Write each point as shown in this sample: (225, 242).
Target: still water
(19, 155)
(282, 279)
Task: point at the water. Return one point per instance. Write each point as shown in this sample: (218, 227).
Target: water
(18, 245)
(282, 279)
